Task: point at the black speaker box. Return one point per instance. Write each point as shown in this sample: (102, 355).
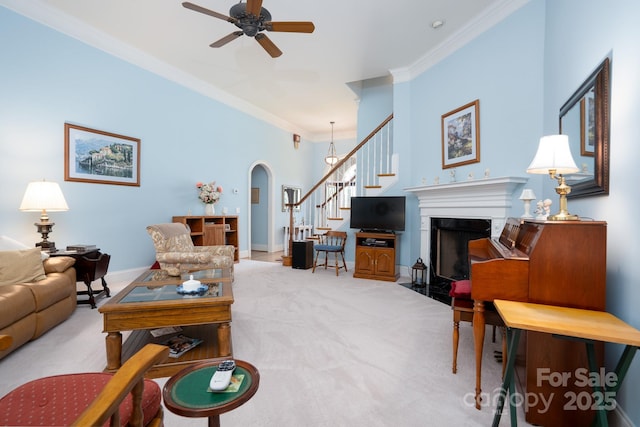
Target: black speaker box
(302, 254)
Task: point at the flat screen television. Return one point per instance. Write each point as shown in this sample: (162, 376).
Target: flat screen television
(378, 213)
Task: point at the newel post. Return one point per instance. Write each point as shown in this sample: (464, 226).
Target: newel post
(287, 260)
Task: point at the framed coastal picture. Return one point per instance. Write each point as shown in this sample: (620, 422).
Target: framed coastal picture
(100, 157)
(461, 135)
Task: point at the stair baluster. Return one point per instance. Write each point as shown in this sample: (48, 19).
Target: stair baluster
(330, 197)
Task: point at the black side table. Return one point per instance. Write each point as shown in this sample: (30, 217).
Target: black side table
(90, 265)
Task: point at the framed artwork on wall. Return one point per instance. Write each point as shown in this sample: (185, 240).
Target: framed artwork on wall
(587, 125)
(461, 135)
(100, 157)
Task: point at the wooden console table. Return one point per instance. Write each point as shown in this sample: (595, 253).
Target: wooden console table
(577, 324)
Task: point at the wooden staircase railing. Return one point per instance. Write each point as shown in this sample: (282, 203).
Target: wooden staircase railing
(372, 160)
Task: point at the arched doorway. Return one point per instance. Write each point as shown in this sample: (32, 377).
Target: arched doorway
(260, 227)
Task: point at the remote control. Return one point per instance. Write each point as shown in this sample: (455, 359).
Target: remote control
(222, 376)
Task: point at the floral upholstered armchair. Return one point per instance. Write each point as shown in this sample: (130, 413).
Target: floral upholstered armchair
(176, 253)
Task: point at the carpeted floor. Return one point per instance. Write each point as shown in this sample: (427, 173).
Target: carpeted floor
(332, 351)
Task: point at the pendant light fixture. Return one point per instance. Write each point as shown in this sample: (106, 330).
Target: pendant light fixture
(331, 158)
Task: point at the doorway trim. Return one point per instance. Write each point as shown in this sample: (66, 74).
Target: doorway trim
(270, 205)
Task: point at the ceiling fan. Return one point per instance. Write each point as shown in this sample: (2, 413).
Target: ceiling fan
(253, 19)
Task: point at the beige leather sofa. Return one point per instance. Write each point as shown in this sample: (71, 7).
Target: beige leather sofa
(30, 308)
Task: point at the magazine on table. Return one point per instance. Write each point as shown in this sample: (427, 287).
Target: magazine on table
(180, 344)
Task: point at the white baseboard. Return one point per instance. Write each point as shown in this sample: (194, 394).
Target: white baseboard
(124, 275)
(619, 418)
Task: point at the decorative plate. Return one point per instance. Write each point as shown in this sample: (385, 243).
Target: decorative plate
(200, 291)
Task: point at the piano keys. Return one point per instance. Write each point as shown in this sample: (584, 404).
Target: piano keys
(548, 262)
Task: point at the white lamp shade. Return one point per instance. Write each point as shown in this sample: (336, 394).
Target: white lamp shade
(553, 154)
(331, 160)
(527, 194)
(43, 195)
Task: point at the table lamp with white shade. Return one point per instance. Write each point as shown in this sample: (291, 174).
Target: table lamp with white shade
(554, 158)
(43, 196)
(527, 196)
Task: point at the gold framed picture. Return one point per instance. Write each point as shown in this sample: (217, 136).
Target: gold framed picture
(461, 135)
(100, 157)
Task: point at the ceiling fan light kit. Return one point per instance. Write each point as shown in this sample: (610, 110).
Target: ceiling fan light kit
(252, 19)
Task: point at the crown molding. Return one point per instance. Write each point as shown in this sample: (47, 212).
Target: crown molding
(481, 23)
(44, 14)
(77, 29)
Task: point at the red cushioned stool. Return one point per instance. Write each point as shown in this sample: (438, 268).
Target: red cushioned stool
(89, 398)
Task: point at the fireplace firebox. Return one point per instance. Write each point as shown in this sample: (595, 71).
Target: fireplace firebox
(449, 252)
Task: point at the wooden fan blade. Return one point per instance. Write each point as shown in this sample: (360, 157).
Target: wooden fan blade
(201, 9)
(268, 45)
(290, 26)
(226, 39)
(254, 7)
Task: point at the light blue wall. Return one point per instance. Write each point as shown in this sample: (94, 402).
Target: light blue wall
(580, 34)
(503, 69)
(47, 79)
(522, 71)
(377, 95)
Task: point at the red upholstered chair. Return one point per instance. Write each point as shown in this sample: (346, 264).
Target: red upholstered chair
(462, 306)
(90, 399)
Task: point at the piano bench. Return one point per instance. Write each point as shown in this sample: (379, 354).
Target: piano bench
(461, 289)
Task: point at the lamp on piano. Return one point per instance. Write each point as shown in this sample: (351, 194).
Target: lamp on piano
(554, 157)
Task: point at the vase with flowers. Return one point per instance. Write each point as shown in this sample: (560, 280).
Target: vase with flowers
(209, 194)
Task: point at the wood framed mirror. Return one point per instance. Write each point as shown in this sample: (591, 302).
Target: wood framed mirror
(297, 192)
(585, 119)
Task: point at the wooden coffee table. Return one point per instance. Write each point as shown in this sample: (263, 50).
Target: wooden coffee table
(152, 302)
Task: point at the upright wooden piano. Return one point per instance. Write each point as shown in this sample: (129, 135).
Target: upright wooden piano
(549, 262)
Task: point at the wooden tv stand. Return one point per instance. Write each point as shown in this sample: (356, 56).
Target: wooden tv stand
(376, 255)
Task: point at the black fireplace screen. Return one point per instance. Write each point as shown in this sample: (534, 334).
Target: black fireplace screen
(449, 245)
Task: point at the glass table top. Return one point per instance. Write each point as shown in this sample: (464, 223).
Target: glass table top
(169, 293)
(157, 285)
(202, 275)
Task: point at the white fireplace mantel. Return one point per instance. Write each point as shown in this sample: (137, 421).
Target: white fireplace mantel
(489, 198)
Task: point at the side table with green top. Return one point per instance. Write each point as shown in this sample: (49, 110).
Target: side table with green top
(187, 393)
